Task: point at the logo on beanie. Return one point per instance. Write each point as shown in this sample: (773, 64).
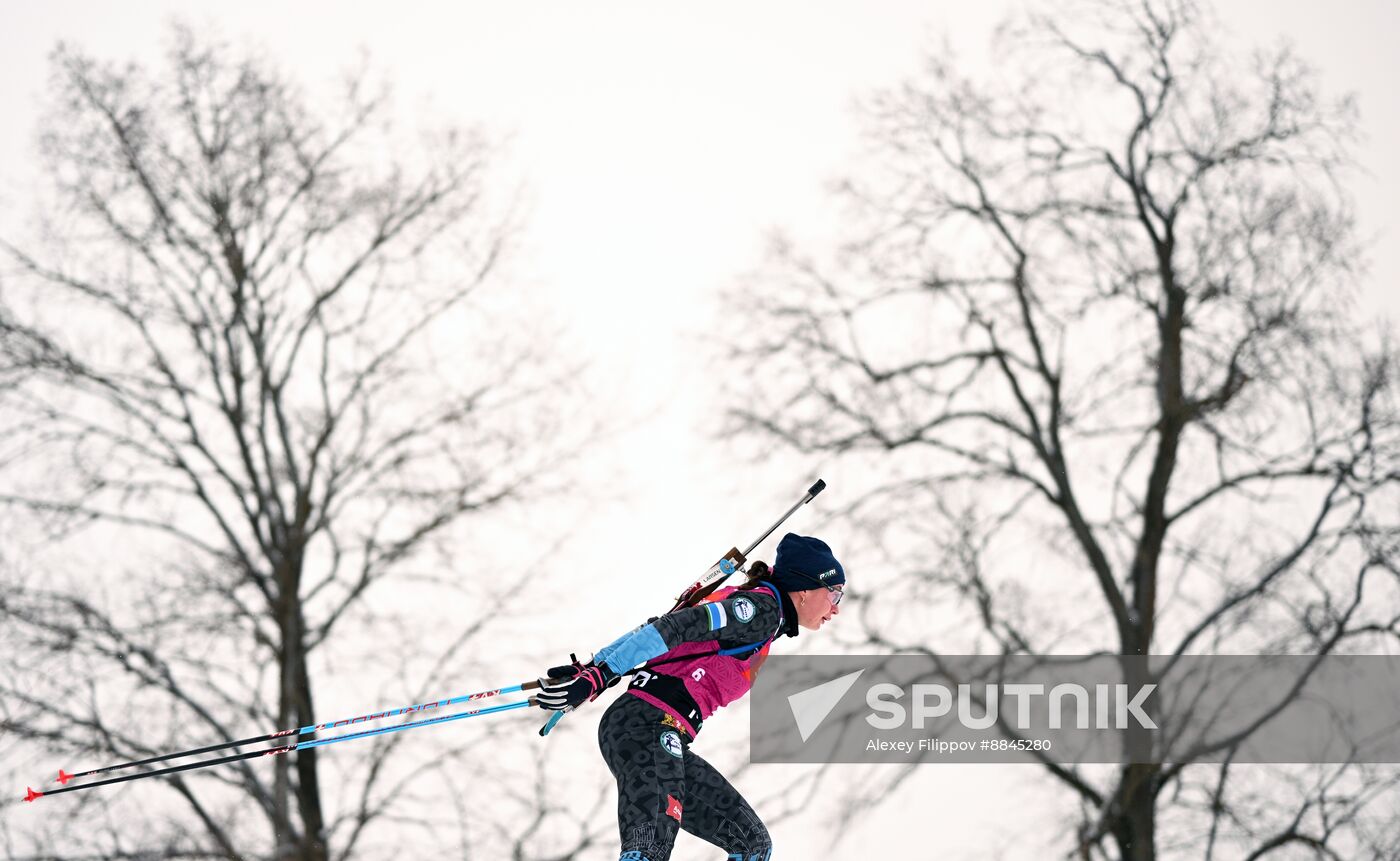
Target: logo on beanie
(743, 609)
(671, 743)
(831, 573)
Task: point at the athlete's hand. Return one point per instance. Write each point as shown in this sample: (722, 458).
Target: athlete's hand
(566, 688)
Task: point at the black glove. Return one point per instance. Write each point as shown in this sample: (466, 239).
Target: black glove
(567, 687)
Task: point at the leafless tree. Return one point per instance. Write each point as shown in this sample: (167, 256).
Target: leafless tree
(254, 385)
(1096, 335)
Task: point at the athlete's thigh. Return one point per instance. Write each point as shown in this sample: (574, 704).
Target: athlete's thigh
(716, 812)
(647, 759)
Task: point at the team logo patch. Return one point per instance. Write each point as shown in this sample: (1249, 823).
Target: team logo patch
(831, 573)
(671, 743)
(673, 808)
(743, 609)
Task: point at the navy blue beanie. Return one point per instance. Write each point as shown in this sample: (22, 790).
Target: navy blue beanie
(805, 563)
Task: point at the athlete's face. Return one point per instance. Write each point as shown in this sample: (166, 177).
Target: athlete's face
(815, 607)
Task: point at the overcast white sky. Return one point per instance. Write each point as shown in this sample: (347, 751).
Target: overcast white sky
(658, 143)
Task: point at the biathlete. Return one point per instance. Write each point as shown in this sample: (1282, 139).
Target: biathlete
(694, 661)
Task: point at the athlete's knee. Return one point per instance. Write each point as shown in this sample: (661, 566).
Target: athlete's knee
(757, 846)
(645, 843)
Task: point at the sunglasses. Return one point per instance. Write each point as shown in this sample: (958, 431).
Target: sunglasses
(835, 592)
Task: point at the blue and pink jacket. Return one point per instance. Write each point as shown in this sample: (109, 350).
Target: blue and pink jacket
(701, 658)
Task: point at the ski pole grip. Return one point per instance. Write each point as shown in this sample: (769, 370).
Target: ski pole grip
(815, 489)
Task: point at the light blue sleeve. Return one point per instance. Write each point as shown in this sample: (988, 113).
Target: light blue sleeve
(635, 647)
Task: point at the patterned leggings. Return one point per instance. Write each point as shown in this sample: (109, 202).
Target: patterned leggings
(663, 786)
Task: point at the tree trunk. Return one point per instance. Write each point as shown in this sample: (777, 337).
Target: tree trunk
(1136, 828)
(313, 843)
(296, 705)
